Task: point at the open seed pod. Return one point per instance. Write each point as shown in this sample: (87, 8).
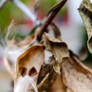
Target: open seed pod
(14, 50)
(28, 65)
(75, 76)
(85, 11)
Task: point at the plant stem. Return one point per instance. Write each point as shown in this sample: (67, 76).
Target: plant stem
(50, 17)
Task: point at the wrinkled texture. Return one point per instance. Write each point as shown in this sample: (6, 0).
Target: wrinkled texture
(58, 48)
(85, 11)
(76, 76)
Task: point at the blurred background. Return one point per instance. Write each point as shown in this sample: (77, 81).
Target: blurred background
(68, 20)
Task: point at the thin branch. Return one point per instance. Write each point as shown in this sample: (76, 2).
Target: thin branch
(50, 17)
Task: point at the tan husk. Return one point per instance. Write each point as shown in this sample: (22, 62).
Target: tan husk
(58, 48)
(73, 77)
(65, 72)
(33, 57)
(29, 63)
(85, 11)
(76, 76)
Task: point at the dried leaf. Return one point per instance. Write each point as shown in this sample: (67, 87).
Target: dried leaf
(58, 48)
(76, 76)
(85, 10)
(48, 75)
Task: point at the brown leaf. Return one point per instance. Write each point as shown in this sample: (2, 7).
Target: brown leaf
(76, 76)
(85, 10)
(58, 48)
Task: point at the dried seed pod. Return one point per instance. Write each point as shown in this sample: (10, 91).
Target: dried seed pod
(58, 48)
(76, 76)
(85, 11)
(13, 51)
(47, 76)
(29, 63)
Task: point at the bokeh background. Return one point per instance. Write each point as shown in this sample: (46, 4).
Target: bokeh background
(68, 20)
